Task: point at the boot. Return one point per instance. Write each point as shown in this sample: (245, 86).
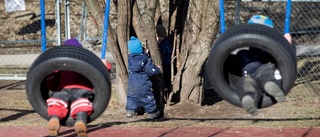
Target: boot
(153, 115)
(249, 94)
(248, 103)
(131, 113)
(81, 124)
(53, 126)
(274, 90)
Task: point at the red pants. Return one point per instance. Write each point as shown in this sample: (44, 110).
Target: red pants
(59, 103)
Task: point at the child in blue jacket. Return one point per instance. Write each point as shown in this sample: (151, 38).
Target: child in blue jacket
(140, 69)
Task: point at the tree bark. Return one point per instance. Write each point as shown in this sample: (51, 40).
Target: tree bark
(195, 24)
(123, 26)
(164, 6)
(96, 9)
(123, 35)
(146, 14)
(200, 28)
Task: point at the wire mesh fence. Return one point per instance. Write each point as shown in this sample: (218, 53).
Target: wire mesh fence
(21, 32)
(304, 25)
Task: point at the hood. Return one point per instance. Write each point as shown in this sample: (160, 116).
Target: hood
(137, 62)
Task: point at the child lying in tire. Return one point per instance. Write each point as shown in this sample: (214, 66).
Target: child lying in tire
(259, 74)
(71, 93)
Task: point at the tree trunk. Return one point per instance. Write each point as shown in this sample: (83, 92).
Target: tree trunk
(201, 26)
(146, 14)
(123, 26)
(164, 6)
(123, 35)
(96, 9)
(195, 24)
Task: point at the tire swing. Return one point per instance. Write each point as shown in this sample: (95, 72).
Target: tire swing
(243, 36)
(69, 58)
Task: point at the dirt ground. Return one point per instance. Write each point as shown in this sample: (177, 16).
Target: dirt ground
(15, 110)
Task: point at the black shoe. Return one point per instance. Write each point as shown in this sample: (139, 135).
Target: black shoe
(154, 115)
(81, 124)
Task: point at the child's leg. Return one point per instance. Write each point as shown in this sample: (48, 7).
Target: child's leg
(132, 104)
(57, 110)
(81, 108)
(270, 79)
(249, 94)
(80, 102)
(167, 79)
(148, 102)
(81, 124)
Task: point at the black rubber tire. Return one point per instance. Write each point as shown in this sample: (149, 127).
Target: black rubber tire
(250, 35)
(70, 58)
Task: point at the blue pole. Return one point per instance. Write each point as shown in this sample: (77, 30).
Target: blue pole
(105, 29)
(287, 21)
(43, 26)
(222, 22)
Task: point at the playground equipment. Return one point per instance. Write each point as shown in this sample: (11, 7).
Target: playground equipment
(67, 24)
(249, 35)
(74, 59)
(62, 58)
(69, 58)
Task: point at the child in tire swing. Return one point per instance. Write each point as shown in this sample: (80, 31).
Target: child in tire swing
(259, 74)
(69, 88)
(140, 68)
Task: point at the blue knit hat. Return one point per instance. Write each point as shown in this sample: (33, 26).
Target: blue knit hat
(72, 42)
(134, 45)
(260, 19)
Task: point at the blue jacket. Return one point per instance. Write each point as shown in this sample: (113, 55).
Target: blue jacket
(140, 68)
(166, 51)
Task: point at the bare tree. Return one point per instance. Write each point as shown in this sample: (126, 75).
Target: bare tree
(191, 24)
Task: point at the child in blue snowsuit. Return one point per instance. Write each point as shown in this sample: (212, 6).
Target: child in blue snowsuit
(140, 69)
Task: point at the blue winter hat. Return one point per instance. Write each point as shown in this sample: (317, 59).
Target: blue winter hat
(261, 19)
(72, 42)
(134, 45)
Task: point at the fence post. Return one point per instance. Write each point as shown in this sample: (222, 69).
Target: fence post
(67, 19)
(238, 7)
(58, 21)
